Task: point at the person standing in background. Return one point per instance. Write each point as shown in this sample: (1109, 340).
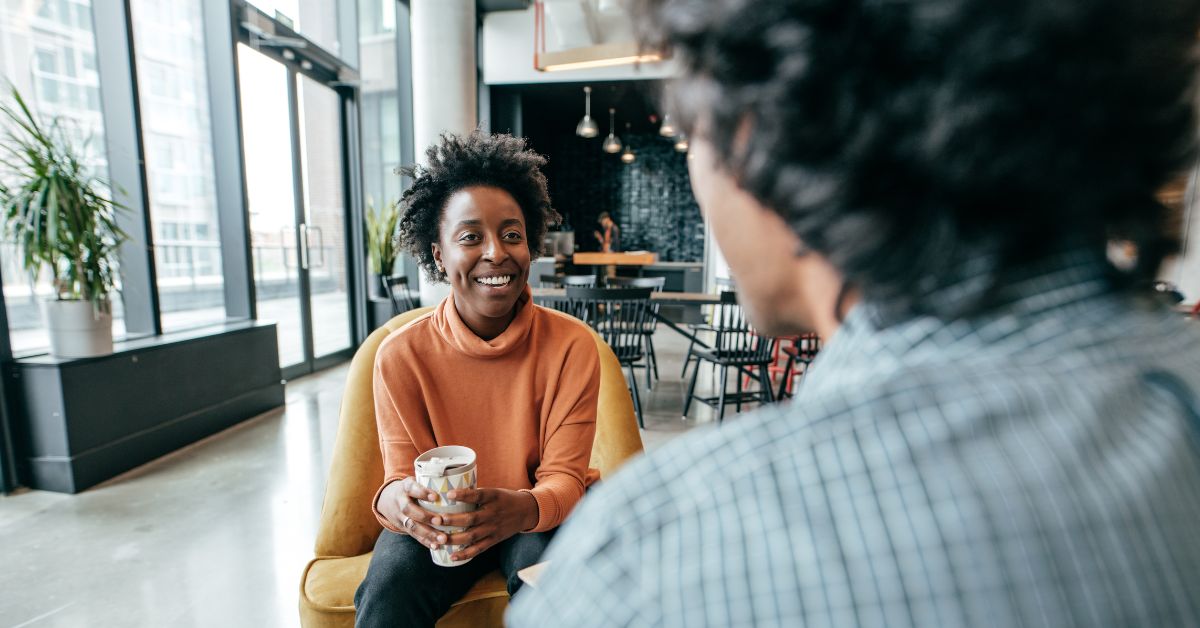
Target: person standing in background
(609, 235)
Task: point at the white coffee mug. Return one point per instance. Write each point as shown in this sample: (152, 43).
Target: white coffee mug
(441, 470)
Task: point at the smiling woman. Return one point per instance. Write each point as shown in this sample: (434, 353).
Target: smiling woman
(487, 369)
(483, 253)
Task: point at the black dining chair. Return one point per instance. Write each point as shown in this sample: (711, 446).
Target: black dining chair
(556, 281)
(724, 284)
(800, 357)
(737, 346)
(655, 284)
(579, 281)
(562, 304)
(396, 289)
(619, 315)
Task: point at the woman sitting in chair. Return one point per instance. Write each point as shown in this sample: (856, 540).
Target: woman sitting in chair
(487, 369)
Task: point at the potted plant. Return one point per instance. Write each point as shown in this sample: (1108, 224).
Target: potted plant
(381, 245)
(63, 222)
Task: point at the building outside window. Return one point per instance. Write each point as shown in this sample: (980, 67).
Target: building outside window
(380, 115)
(48, 52)
(177, 135)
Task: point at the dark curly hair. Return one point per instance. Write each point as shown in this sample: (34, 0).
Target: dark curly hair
(459, 161)
(906, 140)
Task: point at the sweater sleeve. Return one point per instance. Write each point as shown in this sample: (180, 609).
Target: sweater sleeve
(390, 385)
(570, 430)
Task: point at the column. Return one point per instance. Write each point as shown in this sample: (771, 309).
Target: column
(443, 83)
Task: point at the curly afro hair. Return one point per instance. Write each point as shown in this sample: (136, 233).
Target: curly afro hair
(909, 141)
(460, 161)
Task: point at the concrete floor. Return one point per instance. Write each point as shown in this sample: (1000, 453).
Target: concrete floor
(215, 534)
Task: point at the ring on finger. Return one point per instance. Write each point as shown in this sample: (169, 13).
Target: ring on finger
(406, 522)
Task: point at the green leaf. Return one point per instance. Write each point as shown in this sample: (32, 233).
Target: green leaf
(53, 209)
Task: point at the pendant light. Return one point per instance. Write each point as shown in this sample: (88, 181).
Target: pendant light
(612, 144)
(668, 127)
(627, 156)
(587, 126)
(681, 143)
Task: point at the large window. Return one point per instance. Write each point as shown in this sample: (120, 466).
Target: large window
(48, 51)
(379, 101)
(177, 135)
(376, 17)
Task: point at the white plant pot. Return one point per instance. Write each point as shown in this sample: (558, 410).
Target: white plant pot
(433, 293)
(77, 330)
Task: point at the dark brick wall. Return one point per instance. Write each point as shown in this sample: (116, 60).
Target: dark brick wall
(651, 199)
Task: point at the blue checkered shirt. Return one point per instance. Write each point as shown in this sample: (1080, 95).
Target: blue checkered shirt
(1038, 466)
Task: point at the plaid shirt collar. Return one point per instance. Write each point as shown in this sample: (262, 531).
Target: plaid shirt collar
(1075, 284)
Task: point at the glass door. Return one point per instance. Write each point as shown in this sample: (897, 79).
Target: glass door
(295, 156)
(271, 194)
(323, 226)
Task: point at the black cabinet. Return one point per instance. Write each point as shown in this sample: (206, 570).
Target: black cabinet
(79, 422)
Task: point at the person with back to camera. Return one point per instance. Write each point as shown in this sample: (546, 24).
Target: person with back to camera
(1003, 428)
(487, 369)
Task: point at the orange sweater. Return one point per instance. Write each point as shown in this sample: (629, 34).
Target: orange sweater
(525, 401)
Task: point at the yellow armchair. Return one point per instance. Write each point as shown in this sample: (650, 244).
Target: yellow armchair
(348, 529)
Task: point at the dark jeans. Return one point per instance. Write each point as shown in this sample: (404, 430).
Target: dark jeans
(404, 588)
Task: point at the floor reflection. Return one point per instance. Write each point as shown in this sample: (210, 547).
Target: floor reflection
(212, 535)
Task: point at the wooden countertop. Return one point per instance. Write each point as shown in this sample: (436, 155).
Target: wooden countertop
(615, 259)
(670, 298)
(688, 265)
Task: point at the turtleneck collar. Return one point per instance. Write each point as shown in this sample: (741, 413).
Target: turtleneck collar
(456, 333)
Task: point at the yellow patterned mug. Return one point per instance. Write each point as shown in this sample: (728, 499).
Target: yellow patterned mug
(441, 470)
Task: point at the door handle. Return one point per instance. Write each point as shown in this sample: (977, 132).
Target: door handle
(303, 246)
(320, 246)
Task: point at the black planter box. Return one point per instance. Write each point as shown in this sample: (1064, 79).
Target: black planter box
(79, 422)
(379, 311)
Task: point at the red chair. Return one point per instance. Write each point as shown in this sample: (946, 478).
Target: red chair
(801, 354)
(777, 366)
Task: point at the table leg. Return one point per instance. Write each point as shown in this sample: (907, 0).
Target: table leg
(696, 339)
(685, 333)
